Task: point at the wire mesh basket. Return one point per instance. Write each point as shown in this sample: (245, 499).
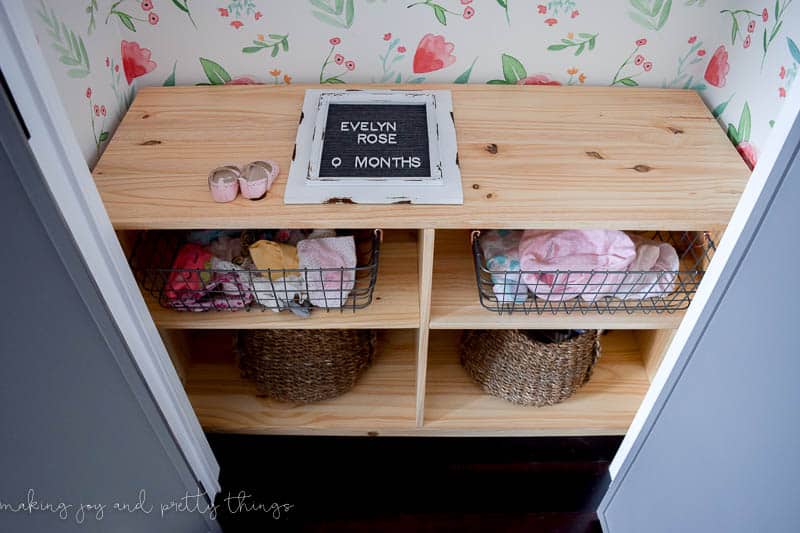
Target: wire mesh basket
(235, 287)
(596, 291)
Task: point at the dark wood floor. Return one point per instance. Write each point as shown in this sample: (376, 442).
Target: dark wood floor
(412, 484)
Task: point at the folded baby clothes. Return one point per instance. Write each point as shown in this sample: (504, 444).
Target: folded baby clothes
(501, 251)
(580, 252)
(190, 274)
(280, 292)
(336, 256)
(202, 282)
(269, 255)
(225, 248)
(655, 264)
(230, 287)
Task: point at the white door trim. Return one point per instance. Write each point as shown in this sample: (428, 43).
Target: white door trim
(58, 154)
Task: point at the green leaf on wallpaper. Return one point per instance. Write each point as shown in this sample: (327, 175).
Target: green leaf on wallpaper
(556, 47)
(103, 137)
(180, 5)
(720, 109)
(350, 12)
(628, 82)
(651, 14)
(744, 123)
(765, 41)
(170, 81)
(69, 45)
(504, 5)
(733, 135)
(214, 72)
(464, 77)
(126, 20)
(340, 14)
(793, 49)
(440, 13)
(183, 5)
(513, 70)
(498, 82)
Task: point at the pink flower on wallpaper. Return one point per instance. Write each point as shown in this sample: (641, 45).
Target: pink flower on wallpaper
(746, 43)
(350, 65)
(257, 15)
(135, 60)
(237, 24)
(718, 68)
(782, 92)
(551, 22)
(242, 80)
(152, 19)
(782, 72)
(433, 53)
(574, 14)
(765, 15)
(335, 41)
(638, 60)
(701, 52)
(468, 12)
(648, 66)
(401, 49)
(542, 9)
(748, 153)
(465, 2)
(387, 36)
(538, 79)
(641, 42)
(692, 39)
(223, 12)
(751, 26)
(147, 5)
(338, 59)
(89, 92)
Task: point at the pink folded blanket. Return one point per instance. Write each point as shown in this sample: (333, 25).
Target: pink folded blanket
(577, 251)
(331, 286)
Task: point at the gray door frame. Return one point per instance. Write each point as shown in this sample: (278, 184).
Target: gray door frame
(80, 425)
(779, 159)
(69, 180)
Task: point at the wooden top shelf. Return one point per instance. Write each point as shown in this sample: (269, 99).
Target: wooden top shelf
(530, 157)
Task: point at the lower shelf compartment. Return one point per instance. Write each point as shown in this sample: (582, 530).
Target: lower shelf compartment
(384, 400)
(456, 405)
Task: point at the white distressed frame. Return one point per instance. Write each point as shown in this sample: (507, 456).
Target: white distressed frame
(305, 187)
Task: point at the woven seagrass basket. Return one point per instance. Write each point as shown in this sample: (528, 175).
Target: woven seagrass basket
(513, 365)
(304, 366)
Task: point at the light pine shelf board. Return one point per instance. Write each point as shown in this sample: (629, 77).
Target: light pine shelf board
(530, 157)
(455, 302)
(604, 406)
(395, 303)
(382, 402)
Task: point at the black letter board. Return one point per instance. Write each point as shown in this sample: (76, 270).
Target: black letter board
(376, 141)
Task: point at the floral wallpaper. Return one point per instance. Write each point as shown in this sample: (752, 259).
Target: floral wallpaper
(742, 56)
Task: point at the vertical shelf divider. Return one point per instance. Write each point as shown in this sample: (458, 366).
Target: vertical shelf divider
(425, 242)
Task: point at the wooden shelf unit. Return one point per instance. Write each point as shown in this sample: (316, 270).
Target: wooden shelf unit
(531, 158)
